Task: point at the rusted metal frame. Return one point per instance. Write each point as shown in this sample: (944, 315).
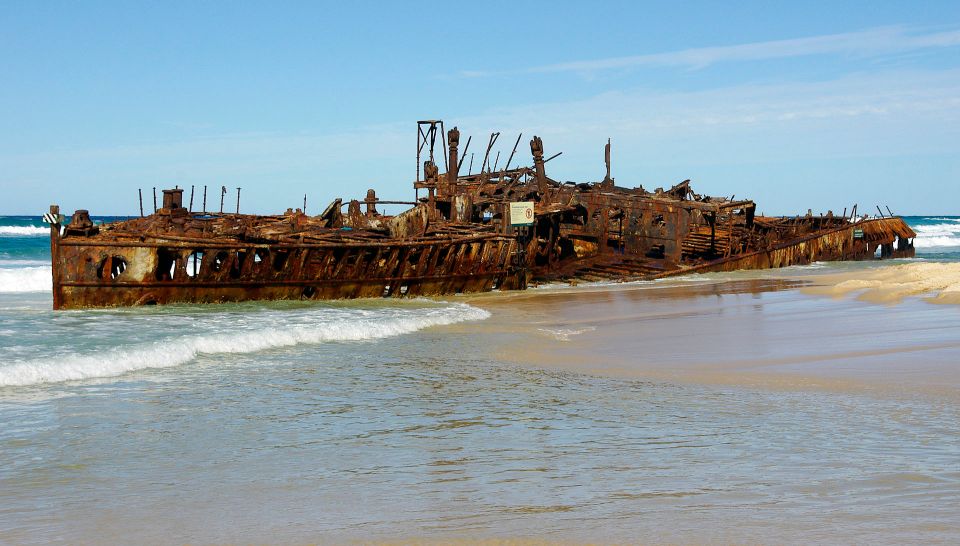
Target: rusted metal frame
(506, 167)
(464, 155)
(259, 283)
(434, 258)
(407, 266)
(488, 257)
(480, 258)
(468, 260)
(341, 264)
(743, 256)
(495, 177)
(300, 263)
(443, 139)
(442, 266)
(382, 202)
(424, 258)
(395, 266)
(729, 248)
(457, 260)
(354, 264)
(240, 246)
(461, 262)
(486, 155)
(373, 267)
(422, 140)
(321, 263)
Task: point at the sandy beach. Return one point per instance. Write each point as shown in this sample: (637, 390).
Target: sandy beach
(867, 329)
(748, 407)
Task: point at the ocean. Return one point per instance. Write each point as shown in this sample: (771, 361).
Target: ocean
(717, 408)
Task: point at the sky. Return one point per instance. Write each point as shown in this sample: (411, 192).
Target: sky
(796, 105)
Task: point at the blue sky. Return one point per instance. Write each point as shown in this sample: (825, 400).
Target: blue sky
(795, 105)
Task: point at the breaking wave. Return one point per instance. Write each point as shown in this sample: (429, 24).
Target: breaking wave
(291, 330)
(23, 231)
(937, 235)
(25, 279)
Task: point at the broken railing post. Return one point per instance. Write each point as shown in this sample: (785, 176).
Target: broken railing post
(536, 148)
(140, 193)
(606, 161)
(154, 199)
(453, 165)
(204, 198)
(509, 159)
(486, 156)
(465, 150)
(190, 208)
(238, 200)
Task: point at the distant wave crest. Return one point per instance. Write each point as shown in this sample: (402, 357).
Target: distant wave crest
(284, 333)
(23, 231)
(25, 279)
(937, 235)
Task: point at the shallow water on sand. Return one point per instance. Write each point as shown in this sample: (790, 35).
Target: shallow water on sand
(428, 434)
(715, 408)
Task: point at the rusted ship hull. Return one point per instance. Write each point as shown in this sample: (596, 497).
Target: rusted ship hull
(497, 229)
(163, 272)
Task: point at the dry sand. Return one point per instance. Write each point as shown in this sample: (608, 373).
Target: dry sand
(939, 282)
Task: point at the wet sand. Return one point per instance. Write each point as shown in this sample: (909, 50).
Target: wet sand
(725, 409)
(780, 331)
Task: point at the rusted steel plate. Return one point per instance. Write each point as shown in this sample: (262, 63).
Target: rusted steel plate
(457, 238)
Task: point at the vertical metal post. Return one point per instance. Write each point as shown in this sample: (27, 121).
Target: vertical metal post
(190, 208)
(223, 192)
(446, 152)
(140, 193)
(154, 199)
(204, 198)
(509, 159)
(238, 200)
(55, 256)
(304, 203)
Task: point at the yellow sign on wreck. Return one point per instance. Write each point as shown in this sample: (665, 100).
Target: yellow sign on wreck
(521, 213)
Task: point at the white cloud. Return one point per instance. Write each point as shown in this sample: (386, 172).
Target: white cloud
(659, 137)
(866, 43)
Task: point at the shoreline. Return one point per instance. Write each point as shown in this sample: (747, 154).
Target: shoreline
(780, 330)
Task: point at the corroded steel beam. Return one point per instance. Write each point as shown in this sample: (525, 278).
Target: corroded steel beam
(459, 238)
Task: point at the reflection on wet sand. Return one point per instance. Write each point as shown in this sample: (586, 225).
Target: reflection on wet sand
(758, 332)
(705, 410)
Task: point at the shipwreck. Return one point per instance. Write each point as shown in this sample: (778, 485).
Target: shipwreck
(501, 228)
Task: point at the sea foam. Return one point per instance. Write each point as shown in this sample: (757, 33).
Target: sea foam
(25, 279)
(23, 231)
(944, 233)
(285, 332)
(937, 235)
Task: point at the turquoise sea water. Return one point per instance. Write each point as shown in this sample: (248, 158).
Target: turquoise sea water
(296, 422)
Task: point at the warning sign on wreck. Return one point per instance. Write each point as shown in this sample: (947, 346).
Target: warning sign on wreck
(521, 213)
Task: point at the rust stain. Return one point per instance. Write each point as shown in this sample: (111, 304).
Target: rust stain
(455, 239)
